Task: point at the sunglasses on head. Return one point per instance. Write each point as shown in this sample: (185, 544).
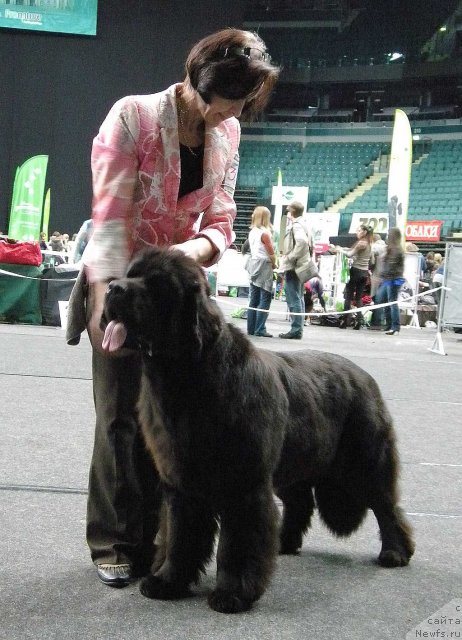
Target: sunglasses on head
(253, 53)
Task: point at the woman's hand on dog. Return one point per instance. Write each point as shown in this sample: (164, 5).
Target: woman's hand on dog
(199, 249)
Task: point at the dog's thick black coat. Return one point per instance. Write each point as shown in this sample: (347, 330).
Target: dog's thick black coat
(229, 424)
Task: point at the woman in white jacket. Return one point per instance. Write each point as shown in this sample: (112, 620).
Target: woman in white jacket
(260, 267)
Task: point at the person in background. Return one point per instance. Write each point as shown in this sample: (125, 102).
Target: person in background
(437, 280)
(438, 261)
(378, 249)
(158, 162)
(391, 273)
(410, 247)
(56, 242)
(260, 266)
(71, 245)
(429, 266)
(65, 241)
(360, 254)
(314, 288)
(297, 252)
(43, 241)
(82, 239)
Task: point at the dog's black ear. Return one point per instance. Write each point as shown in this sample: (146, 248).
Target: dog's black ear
(209, 316)
(183, 326)
(192, 320)
(201, 316)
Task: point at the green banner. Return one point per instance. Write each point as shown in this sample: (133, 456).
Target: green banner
(27, 202)
(60, 16)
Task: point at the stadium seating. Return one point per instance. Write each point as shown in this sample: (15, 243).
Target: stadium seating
(334, 169)
(435, 192)
(436, 186)
(330, 169)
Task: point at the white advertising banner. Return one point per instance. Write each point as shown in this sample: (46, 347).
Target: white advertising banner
(327, 270)
(412, 276)
(378, 221)
(323, 226)
(412, 271)
(231, 271)
(283, 196)
(399, 175)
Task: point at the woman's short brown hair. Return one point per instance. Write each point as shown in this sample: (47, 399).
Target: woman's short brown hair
(234, 65)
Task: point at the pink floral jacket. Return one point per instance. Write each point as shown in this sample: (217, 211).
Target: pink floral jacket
(136, 177)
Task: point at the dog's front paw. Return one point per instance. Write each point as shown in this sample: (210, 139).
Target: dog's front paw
(290, 544)
(289, 550)
(228, 602)
(393, 558)
(158, 589)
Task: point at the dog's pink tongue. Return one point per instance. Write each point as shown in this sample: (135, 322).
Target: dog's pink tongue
(114, 336)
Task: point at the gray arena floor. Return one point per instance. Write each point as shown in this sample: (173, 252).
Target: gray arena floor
(334, 590)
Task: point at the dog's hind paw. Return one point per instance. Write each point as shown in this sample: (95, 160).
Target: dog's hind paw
(393, 558)
(228, 602)
(156, 588)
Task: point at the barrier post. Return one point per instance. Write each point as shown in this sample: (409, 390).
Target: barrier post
(438, 346)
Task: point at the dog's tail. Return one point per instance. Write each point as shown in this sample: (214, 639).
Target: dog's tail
(340, 510)
(364, 472)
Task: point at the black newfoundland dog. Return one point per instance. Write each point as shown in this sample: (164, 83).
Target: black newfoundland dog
(229, 425)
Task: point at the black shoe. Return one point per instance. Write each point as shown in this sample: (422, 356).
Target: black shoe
(391, 332)
(343, 323)
(115, 575)
(264, 335)
(291, 336)
(357, 326)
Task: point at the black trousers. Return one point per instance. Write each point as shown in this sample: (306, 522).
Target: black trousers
(354, 289)
(123, 492)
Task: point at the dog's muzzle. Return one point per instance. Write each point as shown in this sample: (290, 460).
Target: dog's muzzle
(115, 331)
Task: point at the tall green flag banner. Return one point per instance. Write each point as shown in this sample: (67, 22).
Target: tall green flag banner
(27, 202)
(399, 177)
(59, 16)
(46, 213)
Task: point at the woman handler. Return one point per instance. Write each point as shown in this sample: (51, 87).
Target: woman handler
(158, 162)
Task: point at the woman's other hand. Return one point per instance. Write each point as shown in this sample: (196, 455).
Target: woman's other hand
(96, 296)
